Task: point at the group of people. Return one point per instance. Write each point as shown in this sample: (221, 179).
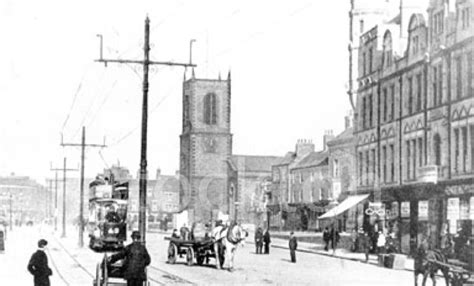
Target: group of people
(331, 237)
(262, 240)
(135, 259)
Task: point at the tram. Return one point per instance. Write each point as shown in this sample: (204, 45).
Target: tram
(107, 226)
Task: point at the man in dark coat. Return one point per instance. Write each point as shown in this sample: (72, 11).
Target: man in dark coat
(136, 259)
(293, 245)
(258, 241)
(266, 241)
(38, 265)
(334, 239)
(326, 238)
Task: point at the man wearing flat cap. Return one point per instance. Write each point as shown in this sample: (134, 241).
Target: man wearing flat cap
(38, 265)
(136, 259)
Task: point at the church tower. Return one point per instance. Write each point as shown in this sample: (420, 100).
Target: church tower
(205, 147)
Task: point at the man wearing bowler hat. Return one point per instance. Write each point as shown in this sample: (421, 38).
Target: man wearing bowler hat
(136, 259)
(38, 265)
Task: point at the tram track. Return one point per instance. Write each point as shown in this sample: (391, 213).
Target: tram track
(161, 277)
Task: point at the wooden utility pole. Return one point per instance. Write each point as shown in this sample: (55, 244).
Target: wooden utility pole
(83, 146)
(64, 170)
(143, 157)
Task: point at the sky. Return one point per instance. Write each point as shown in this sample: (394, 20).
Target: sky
(288, 59)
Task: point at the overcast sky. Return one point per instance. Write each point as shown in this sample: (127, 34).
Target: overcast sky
(288, 61)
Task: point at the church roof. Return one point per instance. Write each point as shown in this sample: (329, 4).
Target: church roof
(254, 163)
(313, 159)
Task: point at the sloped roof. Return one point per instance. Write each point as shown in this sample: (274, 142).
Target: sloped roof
(346, 134)
(289, 157)
(313, 159)
(254, 163)
(166, 183)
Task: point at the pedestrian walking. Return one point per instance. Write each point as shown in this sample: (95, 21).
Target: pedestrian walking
(266, 241)
(293, 245)
(326, 238)
(258, 240)
(136, 259)
(381, 240)
(364, 244)
(38, 265)
(334, 239)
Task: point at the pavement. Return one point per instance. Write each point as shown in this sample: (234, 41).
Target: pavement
(318, 248)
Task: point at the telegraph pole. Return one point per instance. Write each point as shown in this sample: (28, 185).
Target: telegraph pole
(83, 146)
(143, 162)
(64, 169)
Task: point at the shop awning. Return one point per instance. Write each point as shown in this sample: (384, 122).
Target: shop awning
(344, 206)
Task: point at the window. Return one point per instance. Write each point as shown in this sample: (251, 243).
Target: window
(438, 26)
(465, 18)
(336, 168)
(364, 63)
(361, 26)
(469, 60)
(361, 167)
(408, 159)
(364, 112)
(410, 95)
(464, 148)
(437, 149)
(371, 55)
(440, 84)
(456, 150)
(370, 111)
(458, 77)
(415, 44)
(384, 106)
(392, 163)
(367, 164)
(392, 102)
(471, 132)
(384, 168)
(418, 92)
(210, 109)
(414, 159)
(374, 161)
(435, 85)
(420, 152)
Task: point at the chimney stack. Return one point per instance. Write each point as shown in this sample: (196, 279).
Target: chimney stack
(304, 147)
(328, 136)
(158, 173)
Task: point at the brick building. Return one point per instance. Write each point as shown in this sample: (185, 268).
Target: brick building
(415, 122)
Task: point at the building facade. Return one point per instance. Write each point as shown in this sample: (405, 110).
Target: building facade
(415, 120)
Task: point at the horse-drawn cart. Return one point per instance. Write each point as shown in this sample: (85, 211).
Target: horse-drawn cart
(108, 274)
(195, 251)
(457, 276)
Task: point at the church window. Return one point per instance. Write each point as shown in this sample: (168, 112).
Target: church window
(210, 109)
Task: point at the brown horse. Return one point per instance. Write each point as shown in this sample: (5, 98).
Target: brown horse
(425, 264)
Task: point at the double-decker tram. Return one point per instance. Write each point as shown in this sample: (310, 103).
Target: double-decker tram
(107, 225)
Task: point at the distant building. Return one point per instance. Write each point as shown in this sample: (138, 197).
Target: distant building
(24, 199)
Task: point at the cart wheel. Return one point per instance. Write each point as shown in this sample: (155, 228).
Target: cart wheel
(98, 275)
(190, 256)
(200, 259)
(172, 253)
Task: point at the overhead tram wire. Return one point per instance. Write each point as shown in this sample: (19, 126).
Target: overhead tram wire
(75, 96)
(131, 131)
(102, 104)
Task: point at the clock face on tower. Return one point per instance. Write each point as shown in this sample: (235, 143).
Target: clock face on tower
(210, 145)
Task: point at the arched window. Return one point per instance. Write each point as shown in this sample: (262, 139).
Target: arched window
(437, 149)
(210, 109)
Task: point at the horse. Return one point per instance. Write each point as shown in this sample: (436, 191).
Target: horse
(227, 239)
(425, 263)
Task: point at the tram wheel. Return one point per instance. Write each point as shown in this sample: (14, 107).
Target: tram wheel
(172, 253)
(190, 256)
